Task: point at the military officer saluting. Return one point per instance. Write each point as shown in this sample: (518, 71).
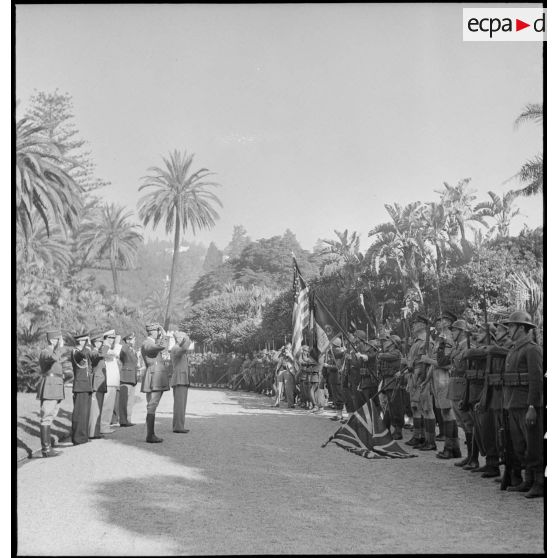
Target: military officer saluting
(80, 358)
(128, 379)
(155, 380)
(523, 398)
(50, 391)
(180, 380)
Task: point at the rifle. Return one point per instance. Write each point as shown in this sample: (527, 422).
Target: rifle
(506, 450)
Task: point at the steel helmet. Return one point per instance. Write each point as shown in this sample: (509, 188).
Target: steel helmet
(519, 317)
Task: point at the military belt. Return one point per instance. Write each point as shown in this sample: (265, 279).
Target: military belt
(474, 374)
(514, 379)
(495, 380)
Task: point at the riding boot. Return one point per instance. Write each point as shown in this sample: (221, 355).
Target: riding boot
(46, 449)
(468, 443)
(449, 443)
(525, 485)
(537, 489)
(150, 422)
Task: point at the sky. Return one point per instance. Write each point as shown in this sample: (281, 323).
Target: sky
(312, 116)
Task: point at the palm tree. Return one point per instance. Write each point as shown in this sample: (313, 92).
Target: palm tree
(458, 203)
(40, 250)
(108, 233)
(532, 172)
(501, 209)
(401, 243)
(41, 182)
(181, 198)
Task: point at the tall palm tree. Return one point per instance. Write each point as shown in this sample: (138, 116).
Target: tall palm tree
(180, 198)
(531, 172)
(108, 233)
(501, 209)
(41, 182)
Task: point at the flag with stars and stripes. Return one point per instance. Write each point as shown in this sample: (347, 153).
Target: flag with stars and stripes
(301, 310)
(365, 434)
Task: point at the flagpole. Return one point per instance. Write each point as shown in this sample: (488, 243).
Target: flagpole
(335, 321)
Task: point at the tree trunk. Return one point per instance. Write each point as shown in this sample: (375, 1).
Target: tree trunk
(114, 276)
(173, 270)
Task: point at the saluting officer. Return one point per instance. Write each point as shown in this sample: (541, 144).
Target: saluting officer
(523, 398)
(50, 391)
(180, 380)
(155, 379)
(99, 384)
(128, 379)
(80, 358)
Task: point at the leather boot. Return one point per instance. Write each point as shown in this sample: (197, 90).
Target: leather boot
(447, 452)
(398, 434)
(417, 438)
(46, 449)
(537, 489)
(150, 422)
(473, 464)
(491, 468)
(468, 443)
(524, 486)
(429, 436)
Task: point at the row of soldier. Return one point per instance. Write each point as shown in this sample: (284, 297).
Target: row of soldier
(487, 380)
(104, 365)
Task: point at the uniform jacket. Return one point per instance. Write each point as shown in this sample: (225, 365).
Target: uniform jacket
(363, 372)
(457, 382)
(99, 369)
(180, 366)
(51, 385)
(113, 369)
(311, 369)
(155, 377)
(81, 366)
(525, 356)
(129, 360)
(389, 363)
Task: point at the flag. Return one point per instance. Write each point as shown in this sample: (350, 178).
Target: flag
(365, 434)
(326, 326)
(301, 310)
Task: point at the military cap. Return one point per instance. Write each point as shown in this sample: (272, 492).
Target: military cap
(447, 315)
(460, 324)
(53, 334)
(80, 336)
(520, 317)
(109, 333)
(96, 335)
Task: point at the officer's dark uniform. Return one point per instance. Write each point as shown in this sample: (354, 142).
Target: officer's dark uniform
(128, 381)
(82, 389)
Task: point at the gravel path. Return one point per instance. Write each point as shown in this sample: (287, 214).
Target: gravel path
(252, 479)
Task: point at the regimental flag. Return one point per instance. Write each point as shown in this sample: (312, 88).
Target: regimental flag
(301, 310)
(326, 326)
(365, 434)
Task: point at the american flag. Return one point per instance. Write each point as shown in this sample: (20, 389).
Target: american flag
(301, 310)
(365, 434)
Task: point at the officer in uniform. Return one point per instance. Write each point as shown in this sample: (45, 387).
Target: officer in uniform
(358, 370)
(523, 398)
(285, 376)
(111, 353)
(50, 391)
(389, 366)
(128, 379)
(180, 380)
(99, 385)
(155, 380)
(419, 388)
(80, 358)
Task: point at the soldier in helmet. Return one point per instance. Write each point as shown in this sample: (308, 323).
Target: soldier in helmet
(389, 364)
(363, 377)
(335, 367)
(51, 387)
(523, 392)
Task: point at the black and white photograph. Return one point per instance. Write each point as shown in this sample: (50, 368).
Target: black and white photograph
(279, 279)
